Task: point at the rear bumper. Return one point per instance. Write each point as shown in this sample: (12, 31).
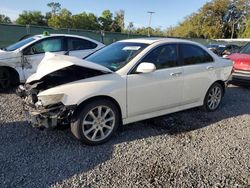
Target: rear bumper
(241, 77)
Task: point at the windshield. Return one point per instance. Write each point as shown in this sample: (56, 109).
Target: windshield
(19, 44)
(116, 55)
(245, 49)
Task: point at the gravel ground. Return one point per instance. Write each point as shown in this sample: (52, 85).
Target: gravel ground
(186, 149)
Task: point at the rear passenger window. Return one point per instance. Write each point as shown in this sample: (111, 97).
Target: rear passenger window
(80, 44)
(192, 54)
(163, 57)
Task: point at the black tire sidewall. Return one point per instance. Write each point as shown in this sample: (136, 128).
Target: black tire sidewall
(205, 103)
(4, 70)
(82, 113)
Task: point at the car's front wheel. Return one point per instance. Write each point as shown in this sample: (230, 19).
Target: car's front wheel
(213, 97)
(96, 122)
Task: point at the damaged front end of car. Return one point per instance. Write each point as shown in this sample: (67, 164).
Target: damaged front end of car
(48, 111)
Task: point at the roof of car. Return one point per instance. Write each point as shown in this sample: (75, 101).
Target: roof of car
(152, 40)
(55, 35)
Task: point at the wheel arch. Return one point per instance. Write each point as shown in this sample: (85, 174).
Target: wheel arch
(222, 83)
(81, 105)
(13, 72)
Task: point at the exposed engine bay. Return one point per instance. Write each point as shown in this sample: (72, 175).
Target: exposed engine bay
(50, 112)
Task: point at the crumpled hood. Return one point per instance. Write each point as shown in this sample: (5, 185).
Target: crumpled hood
(54, 62)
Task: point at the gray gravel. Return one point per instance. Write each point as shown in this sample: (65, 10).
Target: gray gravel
(186, 149)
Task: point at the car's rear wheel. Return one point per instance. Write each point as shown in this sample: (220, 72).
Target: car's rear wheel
(5, 79)
(96, 122)
(213, 98)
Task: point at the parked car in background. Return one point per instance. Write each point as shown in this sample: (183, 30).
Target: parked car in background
(20, 60)
(125, 82)
(228, 50)
(241, 67)
(224, 50)
(213, 47)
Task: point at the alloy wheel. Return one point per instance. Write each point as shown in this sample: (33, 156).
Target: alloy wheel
(98, 123)
(214, 97)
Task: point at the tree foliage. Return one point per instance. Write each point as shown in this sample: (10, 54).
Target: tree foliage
(55, 7)
(4, 19)
(216, 19)
(31, 18)
(246, 32)
(85, 21)
(61, 20)
(106, 20)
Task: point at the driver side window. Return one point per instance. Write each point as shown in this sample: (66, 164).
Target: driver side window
(46, 45)
(165, 56)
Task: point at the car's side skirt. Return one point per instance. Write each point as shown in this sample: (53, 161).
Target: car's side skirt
(161, 112)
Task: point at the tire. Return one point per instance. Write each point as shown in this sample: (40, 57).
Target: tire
(96, 122)
(5, 79)
(213, 98)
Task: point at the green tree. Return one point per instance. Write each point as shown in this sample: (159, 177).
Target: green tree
(216, 19)
(130, 28)
(118, 23)
(246, 33)
(55, 7)
(106, 20)
(62, 20)
(4, 19)
(144, 31)
(31, 18)
(85, 21)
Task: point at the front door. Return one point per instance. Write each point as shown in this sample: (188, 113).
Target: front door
(34, 54)
(158, 90)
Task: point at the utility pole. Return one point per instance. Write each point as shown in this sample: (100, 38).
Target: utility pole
(149, 23)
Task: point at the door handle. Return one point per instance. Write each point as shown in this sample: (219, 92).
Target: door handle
(175, 74)
(210, 68)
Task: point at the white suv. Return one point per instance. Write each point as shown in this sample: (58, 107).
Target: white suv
(20, 60)
(125, 82)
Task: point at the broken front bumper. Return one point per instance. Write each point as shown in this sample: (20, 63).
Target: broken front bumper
(49, 117)
(44, 116)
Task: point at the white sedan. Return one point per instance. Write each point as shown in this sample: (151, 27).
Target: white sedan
(125, 82)
(20, 60)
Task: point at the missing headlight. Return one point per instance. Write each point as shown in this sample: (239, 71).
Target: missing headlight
(46, 100)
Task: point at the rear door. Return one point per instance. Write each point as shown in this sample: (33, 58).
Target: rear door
(199, 71)
(81, 48)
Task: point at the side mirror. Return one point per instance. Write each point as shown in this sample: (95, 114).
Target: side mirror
(146, 68)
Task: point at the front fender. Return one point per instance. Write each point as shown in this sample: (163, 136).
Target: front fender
(111, 85)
